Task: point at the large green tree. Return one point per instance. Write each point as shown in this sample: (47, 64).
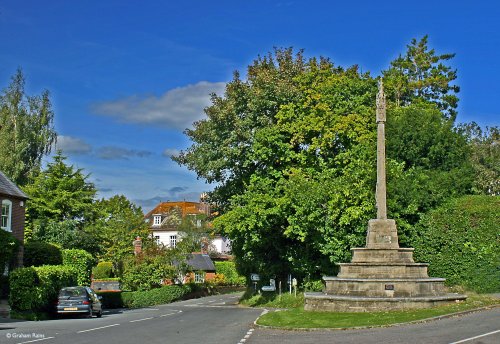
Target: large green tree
(292, 149)
(421, 74)
(61, 205)
(26, 130)
(118, 222)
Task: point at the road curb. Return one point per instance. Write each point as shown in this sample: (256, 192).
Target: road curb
(439, 317)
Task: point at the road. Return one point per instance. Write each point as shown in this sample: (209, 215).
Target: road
(219, 320)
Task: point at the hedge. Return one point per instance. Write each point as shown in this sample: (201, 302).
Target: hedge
(460, 240)
(37, 253)
(103, 270)
(36, 288)
(9, 249)
(138, 299)
(82, 261)
(231, 276)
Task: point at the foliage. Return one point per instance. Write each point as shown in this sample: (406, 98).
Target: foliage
(226, 274)
(313, 285)
(82, 261)
(66, 234)
(37, 288)
(118, 222)
(26, 130)
(460, 241)
(60, 193)
(149, 270)
(485, 147)
(61, 204)
(37, 253)
(162, 295)
(421, 75)
(272, 299)
(10, 246)
(298, 318)
(103, 270)
(293, 148)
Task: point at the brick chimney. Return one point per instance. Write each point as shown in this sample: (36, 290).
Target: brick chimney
(137, 245)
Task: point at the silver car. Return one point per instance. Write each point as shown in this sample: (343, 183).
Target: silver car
(79, 300)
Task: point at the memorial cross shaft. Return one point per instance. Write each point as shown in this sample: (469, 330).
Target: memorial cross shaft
(381, 190)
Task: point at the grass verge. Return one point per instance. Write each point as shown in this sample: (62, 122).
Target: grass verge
(298, 318)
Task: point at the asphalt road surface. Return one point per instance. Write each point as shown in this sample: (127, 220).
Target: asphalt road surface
(218, 319)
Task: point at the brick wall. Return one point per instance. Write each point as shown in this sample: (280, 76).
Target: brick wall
(17, 223)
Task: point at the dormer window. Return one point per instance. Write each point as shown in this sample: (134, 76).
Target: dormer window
(156, 220)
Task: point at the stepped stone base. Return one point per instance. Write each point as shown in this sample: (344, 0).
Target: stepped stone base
(380, 277)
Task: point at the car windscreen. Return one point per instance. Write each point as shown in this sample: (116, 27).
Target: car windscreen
(74, 292)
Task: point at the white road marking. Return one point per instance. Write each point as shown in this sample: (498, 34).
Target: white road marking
(98, 328)
(175, 312)
(35, 340)
(141, 319)
(472, 338)
(247, 335)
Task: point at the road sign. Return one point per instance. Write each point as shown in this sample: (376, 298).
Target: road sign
(255, 277)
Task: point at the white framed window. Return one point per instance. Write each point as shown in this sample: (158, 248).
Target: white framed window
(157, 240)
(6, 220)
(173, 241)
(156, 220)
(199, 277)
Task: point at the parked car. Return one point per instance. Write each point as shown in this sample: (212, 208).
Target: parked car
(79, 300)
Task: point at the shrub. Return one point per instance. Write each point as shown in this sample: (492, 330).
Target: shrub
(36, 288)
(37, 253)
(137, 299)
(165, 294)
(230, 275)
(146, 275)
(9, 249)
(460, 241)
(103, 270)
(313, 285)
(82, 261)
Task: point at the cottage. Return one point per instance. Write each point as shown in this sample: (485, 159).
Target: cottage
(13, 201)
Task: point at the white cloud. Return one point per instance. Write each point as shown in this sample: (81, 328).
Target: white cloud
(168, 152)
(72, 145)
(114, 153)
(176, 109)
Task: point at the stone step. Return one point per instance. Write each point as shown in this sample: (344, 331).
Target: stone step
(367, 255)
(385, 287)
(383, 270)
(342, 303)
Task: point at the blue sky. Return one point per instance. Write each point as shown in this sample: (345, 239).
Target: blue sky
(126, 77)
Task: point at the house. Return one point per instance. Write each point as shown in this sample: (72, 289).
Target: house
(200, 268)
(13, 201)
(165, 219)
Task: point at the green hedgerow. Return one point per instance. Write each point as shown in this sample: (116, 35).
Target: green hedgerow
(82, 261)
(36, 288)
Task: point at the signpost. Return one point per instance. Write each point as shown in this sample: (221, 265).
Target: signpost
(254, 278)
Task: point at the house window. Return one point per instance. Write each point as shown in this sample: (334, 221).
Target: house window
(199, 277)
(6, 215)
(173, 241)
(157, 220)
(157, 239)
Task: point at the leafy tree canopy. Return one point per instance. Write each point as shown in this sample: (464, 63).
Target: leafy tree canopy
(292, 150)
(26, 130)
(118, 222)
(420, 74)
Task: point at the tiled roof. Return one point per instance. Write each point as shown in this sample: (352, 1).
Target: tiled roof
(199, 261)
(184, 207)
(7, 187)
